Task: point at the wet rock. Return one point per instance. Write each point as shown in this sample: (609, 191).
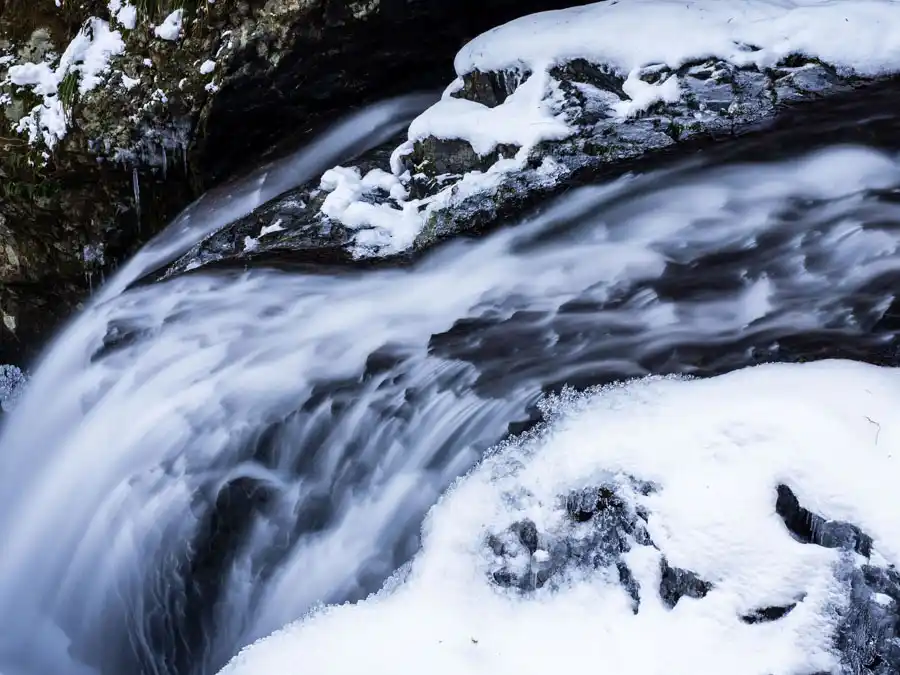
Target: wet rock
(434, 157)
(676, 583)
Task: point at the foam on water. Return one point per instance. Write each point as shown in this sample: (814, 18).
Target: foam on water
(200, 461)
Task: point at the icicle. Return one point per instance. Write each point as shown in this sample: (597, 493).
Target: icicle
(136, 183)
(165, 161)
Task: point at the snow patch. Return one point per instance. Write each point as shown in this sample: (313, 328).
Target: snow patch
(524, 119)
(207, 67)
(170, 28)
(642, 95)
(271, 229)
(715, 450)
(125, 13)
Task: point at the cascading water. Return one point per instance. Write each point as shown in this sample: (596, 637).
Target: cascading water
(199, 461)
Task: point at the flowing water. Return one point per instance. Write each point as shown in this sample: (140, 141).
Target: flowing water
(198, 462)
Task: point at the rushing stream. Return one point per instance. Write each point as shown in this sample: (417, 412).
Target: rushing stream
(199, 461)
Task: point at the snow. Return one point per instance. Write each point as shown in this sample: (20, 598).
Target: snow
(383, 228)
(207, 67)
(644, 94)
(716, 449)
(524, 119)
(129, 82)
(88, 56)
(346, 186)
(125, 14)
(170, 28)
(637, 33)
(271, 229)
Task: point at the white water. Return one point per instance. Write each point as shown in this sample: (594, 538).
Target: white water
(328, 395)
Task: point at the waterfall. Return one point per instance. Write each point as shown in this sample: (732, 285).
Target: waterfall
(199, 461)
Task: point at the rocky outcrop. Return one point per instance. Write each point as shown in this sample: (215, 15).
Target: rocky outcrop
(592, 120)
(116, 114)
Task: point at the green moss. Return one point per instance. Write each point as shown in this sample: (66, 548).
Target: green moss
(674, 130)
(23, 178)
(68, 93)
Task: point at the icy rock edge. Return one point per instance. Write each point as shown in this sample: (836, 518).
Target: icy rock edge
(741, 523)
(549, 96)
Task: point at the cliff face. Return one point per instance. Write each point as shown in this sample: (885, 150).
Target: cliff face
(117, 114)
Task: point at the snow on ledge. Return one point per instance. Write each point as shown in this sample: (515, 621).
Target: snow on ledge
(862, 36)
(716, 449)
(87, 57)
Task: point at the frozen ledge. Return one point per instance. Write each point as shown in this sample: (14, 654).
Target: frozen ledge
(548, 96)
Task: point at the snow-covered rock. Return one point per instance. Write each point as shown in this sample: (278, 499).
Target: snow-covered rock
(552, 96)
(740, 524)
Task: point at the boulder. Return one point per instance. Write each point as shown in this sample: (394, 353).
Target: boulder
(556, 99)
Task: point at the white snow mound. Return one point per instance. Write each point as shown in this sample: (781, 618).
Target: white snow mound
(631, 34)
(716, 449)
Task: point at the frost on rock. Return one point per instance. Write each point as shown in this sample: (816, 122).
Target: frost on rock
(12, 383)
(740, 524)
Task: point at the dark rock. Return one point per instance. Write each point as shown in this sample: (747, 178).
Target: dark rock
(585, 504)
(527, 533)
(435, 157)
(630, 584)
(598, 525)
(676, 583)
(767, 614)
(491, 88)
(868, 635)
(811, 528)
